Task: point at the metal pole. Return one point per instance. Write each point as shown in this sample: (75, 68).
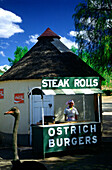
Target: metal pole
(84, 109)
(42, 110)
(31, 117)
(99, 107)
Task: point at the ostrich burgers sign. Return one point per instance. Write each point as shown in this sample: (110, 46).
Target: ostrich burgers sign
(70, 82)
(59, 138)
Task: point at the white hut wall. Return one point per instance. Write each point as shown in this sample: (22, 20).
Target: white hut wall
(11, 88)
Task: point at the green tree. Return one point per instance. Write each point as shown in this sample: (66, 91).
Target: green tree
(85, 57)
(93, 31)
(18, 54)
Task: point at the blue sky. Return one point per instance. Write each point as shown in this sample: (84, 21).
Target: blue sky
(22, 21)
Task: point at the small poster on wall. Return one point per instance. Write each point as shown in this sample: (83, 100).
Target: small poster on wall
(1, 93)
(19, 98)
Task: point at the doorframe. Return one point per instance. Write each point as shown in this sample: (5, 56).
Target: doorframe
(31, 109)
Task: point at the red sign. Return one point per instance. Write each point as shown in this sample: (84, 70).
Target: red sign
(1, 93)
(19, 98)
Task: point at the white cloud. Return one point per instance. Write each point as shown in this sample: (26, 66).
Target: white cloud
(32, 39)
(68, 42)
(4, 67)
(7, 24)
(82, 33)
(2, 53)
(64, 40)
(72, 33)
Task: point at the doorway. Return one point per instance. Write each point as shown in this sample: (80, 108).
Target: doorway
(48, 106)
(36, 107)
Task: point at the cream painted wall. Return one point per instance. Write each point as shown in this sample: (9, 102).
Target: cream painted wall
(10, 88)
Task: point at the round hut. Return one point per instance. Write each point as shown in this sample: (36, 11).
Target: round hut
(29, 85)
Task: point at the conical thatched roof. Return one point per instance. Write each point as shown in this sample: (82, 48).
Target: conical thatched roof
(49, 58)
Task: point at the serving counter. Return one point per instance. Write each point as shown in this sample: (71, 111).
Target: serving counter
(64, 136)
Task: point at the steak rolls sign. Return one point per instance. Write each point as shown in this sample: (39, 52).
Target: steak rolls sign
(69, 82)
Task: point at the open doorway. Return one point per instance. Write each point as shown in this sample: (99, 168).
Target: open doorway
(36, 106)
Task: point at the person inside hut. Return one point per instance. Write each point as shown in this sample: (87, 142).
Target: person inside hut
(70, 112)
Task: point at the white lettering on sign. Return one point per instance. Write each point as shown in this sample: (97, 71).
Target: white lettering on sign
(51, 132)
(19, 98)
(73, 129)
(73, 141)
(60, 84)
(51, 143)
(76, 135)
(79, 129)
(82, 83)
(70, 82)
(76, 83)
(59, 131)
(66, 142)
(1, 93)
(66, 83)
(85, 82)
(55, 83)
(85, 128)
(95, 81)
(66, 128)
(94, 139)
(93, 128)
(59, 142)
(44, 83)
(87, 141)
(81, 142)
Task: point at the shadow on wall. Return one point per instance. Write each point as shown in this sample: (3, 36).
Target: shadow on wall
(5, 139)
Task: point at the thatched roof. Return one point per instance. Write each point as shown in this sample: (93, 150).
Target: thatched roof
(48, 58)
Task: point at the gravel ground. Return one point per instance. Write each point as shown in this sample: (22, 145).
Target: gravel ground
(99, 158)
